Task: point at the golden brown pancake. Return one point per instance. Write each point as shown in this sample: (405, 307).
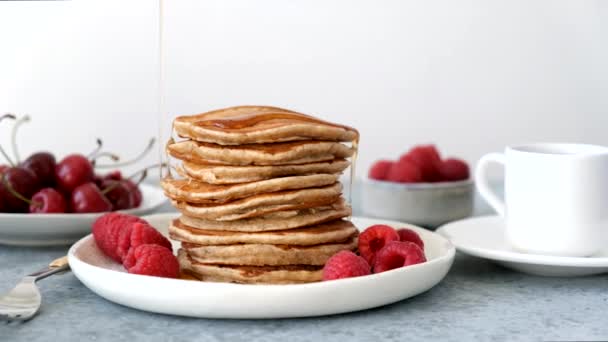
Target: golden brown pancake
(288, 153)
(258, 124)
(263, 204)
(225, 174)
(295, 219)
(293, 274)
(192, 191)
(267, 254)
(334, 231)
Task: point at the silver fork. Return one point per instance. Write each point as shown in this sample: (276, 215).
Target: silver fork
(23, 302)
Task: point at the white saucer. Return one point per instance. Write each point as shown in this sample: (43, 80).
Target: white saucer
(224, 300)
(484, 237)
(65, 229)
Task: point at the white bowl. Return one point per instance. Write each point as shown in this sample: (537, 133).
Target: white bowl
(64, 229)
(425, 204)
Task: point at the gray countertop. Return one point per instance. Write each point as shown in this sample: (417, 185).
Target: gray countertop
(477, 301)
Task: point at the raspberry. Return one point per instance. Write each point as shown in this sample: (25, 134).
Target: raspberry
(152, 260)
(428, 159)
(409, 235)
(110, 232)
(144, 234)
(373, 239)
(345, 264)
(398, 254)
(380, 169)
(116, 234)
(454, 170)
(404, 171)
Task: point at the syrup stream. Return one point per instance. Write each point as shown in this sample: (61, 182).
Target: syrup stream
(353, 165)
(163, 155)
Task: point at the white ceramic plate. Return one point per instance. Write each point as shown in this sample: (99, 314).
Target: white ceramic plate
(225, 300)
(484, 237)
(64, 229)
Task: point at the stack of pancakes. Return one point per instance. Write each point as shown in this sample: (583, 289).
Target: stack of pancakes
(259, 194)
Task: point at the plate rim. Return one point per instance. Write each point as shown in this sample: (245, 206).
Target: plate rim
(514, 256)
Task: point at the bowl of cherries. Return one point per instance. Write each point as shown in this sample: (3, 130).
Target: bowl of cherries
(419, 188)
(45, 200)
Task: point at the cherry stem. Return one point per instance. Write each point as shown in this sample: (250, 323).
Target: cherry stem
(14, 192)
(137, 158)
(18, 123)
(12, 117)
(97, 149)
(143, 172)
(105, 154)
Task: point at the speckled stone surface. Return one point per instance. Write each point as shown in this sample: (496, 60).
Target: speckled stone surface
(477, 301)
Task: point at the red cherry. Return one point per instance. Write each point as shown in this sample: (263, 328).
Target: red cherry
(114, 175)
(23, 182)
(42, 165)
(3, 168)
(73, 171)
(87, 198)
(454, 170)
(48, 200)
(98, 180)
(135, 193)
(118, 194)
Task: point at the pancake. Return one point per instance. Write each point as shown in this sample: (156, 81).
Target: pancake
(338, 230)
(222, 174)
(301, 218)
(263, 204)
(288, 153)
(258, 124)
(196, 192)
(294, 274)
(266, 254)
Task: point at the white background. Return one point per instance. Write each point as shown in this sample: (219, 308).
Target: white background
(470, 76)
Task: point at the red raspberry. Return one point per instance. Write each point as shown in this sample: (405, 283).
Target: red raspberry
(116, 234)
(152, 260)
(409, 235)
(404, 171)
(380, 169)
(454, 170)
(345, 264)
(398, 254)
(111, 231)
(373, 239)
(144, 234)
(428, 159)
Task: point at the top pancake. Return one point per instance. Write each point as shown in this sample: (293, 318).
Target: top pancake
(258, 124)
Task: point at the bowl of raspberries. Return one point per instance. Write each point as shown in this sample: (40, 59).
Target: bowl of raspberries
(420, 187)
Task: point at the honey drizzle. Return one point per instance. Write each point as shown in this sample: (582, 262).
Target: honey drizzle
(353, 165)
(249, 120)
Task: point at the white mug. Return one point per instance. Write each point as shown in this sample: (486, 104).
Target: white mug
(556, 197)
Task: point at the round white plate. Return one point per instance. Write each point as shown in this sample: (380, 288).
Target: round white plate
(225, 300)
(484, 237)
(64, 229)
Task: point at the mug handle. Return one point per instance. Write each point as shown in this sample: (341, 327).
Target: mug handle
(483, 186)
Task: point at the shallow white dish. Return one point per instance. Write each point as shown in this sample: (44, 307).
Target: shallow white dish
(484, 237)
(225, 300)
(64, 229)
